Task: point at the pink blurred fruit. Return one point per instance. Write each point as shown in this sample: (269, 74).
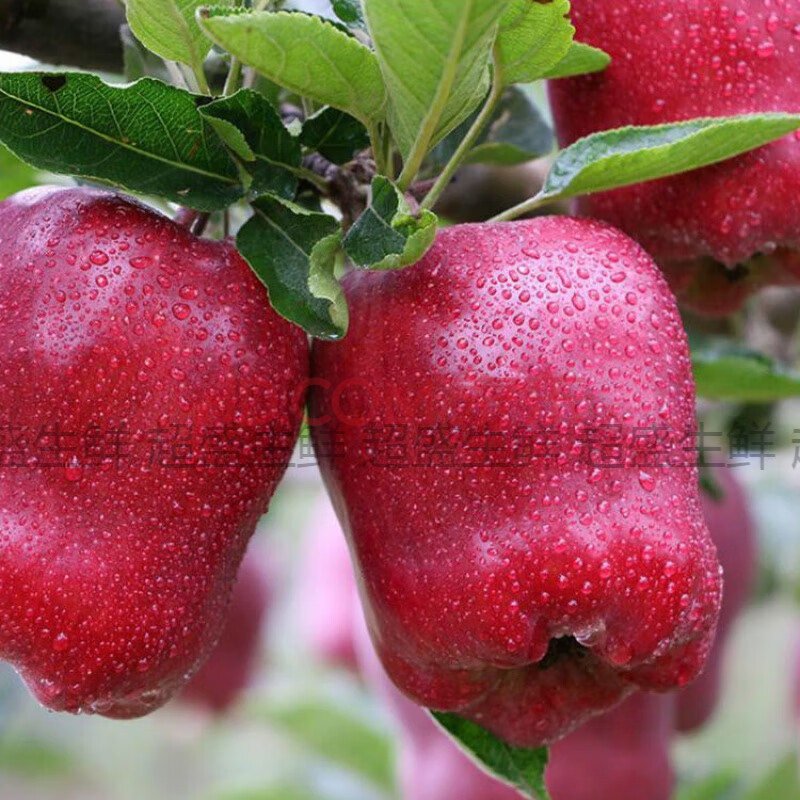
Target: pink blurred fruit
(232, 665)
(731, 526)
(326, 597)
(623, 754)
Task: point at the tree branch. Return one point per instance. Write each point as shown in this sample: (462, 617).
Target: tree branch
(77, 33)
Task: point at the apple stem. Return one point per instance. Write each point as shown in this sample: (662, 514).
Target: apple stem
(199, 226)
(186, 217)
(194, 221)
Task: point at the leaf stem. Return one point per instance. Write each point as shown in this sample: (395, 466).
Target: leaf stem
(379, 150)
(525, 207)
(422, 144)
(466, 145)
(200, 77)
(234, 77)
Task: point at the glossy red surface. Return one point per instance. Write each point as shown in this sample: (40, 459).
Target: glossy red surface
(153, 384)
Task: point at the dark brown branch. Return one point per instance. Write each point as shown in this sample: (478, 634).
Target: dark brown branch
(76, 33)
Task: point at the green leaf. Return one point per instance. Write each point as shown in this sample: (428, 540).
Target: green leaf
(259, 137)
(522, 769)
(15, 175)
(293, 252)
(721, 785)
(349, 12)
(33, 759)
(305, 54)
(516, 133)
(335, 733)
(435, 59)
(624, 156)
(387, 235)
(169, 29)
(278, 791)
(781, 783)
(723, 370)
(532, 39)
(146, 137)
(580, 59)
(335, 135)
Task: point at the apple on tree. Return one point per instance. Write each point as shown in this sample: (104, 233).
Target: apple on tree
(527, 550)
(137, 362)
(622, 754)
(721, 232)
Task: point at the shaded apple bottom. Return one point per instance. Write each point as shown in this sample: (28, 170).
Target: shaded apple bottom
(714, 289)
(538, 704)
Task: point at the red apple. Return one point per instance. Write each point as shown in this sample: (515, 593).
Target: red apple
(725, 230)
(147, 396)
(507, 435)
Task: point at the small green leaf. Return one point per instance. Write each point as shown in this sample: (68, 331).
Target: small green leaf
(532, 39)
(168, 28)
(293, 252)
(278, 791)
(516, 133)
(305, 54)
(624, 156)
(435, 59)
(387, 235)
(335, 135)
(723, 370)
(581, 59)
(146, 137)
(349, 12)
(522, 769)
(258, 135)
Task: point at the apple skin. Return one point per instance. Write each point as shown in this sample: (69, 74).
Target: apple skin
(325, 589)
(233, 662)
(732, 528)
(556, 582)
(673, 61)
(117, 563)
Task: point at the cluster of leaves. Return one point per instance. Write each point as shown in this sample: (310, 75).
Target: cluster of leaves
(391, 92)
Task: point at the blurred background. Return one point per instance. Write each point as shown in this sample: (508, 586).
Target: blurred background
(291, 708)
